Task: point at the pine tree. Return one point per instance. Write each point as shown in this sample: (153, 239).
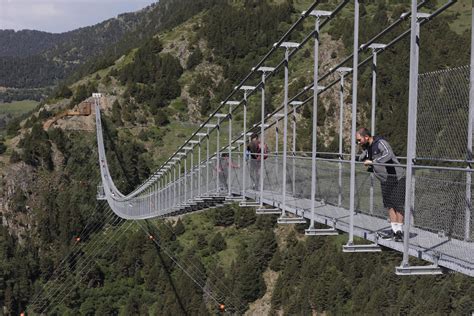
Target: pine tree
(224, 216)
(218, 242)
(179, 228)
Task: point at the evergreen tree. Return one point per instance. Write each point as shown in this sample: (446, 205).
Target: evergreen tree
(179, 228)
(194, 58)
(218, 242)
(224, 216)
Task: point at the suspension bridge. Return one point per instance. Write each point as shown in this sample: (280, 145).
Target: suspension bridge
(212, 167)
(335, 191)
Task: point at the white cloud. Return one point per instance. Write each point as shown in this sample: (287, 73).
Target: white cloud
(62, 15)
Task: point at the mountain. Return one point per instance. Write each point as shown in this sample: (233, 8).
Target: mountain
(53, 56)
(32, 59)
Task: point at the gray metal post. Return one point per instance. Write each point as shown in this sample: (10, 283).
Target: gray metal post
(191, 189)
(218, 165)
(372, 124)
(174, 184)
(354, 122)
(199, 166)
(168, 189)
(200, 135)
(229, 155)
(239, 157)
(160, 192)
(375, 47)
(467, 219)
(262, 133)
(342, 71)
(247, 90)
(193, 167)
(207, 161)
(285, 131)
(185, 178)
(165, 191)
(318, 14)
(294, 104)
(288, 46)
(191, 174)
(244, 138)
(229, 149)
(276, 136)
(264, 71)
(293, 121)
(350, 247)
(411, 145)
(180, 181)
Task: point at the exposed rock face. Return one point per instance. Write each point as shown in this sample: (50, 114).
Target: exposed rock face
(16, 179)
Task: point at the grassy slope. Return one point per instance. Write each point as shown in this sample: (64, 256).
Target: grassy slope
(461, 10)
(17, 108)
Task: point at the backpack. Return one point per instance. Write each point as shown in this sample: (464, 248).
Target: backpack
(265, 152)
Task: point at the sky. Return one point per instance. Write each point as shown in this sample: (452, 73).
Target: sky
(57, 16)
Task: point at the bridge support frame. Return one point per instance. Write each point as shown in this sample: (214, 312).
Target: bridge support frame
(361, 248)
(291, 220)
(268, 211)
(311, 231)
(433, 269)
(418, 270)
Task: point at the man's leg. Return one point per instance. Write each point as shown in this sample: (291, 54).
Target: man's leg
(392, 215)
(399, 201)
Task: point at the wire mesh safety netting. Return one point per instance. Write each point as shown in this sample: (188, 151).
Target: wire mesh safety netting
(442, 119)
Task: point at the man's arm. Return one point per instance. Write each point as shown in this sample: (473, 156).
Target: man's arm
(363, 156)
(386, 152)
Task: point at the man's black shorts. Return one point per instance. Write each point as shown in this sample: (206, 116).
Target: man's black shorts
(393, 193)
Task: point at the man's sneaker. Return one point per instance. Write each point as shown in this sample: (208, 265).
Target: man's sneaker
(398, 236)
(387, 236)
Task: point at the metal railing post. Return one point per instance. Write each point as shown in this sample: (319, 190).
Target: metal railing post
(247, 90)
(342, 71)
(207, 162)
(218, 165)
(199, 167)
(229, 155)
(355, 73)
(293, 121)
(264, 71)
(287, 46)
(200, 136)
(185, 178)
(229, 149)
(404, 268)
(174, 184)
(179, 181)
(277, 131)
(374, 48)
(285, 131)
(467, 219)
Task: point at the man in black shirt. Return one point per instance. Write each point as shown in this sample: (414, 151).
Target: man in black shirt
(392, 178)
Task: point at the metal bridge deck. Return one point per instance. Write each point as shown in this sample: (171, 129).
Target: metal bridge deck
(454, 254)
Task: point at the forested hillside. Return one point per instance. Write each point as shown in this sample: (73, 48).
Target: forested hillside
(64, 252)
(31, 59)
